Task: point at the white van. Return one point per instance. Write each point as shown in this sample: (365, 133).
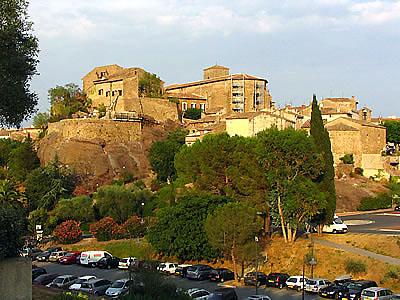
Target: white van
(337, 226)
(90, 258)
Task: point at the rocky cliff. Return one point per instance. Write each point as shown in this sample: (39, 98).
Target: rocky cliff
(101, 150)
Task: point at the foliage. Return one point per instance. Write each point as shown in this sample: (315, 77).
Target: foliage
(288, 157)
(127, 176)
(392, 131)
(45, 186)
(326, 180)
(231, 227)
(150, 85)
(18, 61)
(134, 227)
(192, 113)
(359, 171)
(39, 217)
(41, 120)
(355, 267)
(120, 203)
(382, 200)
(79, 209)
(67, 100)
(70, 296)
(102, 110)
(348, 159)
(10, 196)
(162, 155)
(68, 232)
(179, 230)
(12, 228)
(104, 230)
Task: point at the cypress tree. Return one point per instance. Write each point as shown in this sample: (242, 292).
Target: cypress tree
(326, 182)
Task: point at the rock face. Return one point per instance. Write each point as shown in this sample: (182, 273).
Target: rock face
(99, 160)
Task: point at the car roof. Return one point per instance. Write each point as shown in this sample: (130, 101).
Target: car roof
(87, 277)
(66, 276)
(122, 280)
(319, 279)
(375, 288)
(94, 280)
(297, 277)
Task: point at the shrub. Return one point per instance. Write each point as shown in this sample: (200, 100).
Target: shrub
(70, 296)
(359, 171)
(355, 266)
(68, 232)
(12, 228)
(105, 229)
(348, 159)
(134, 227)
(382, 200)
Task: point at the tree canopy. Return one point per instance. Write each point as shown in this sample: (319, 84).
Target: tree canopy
(18, 62)
(192, 113)
(392, 131)
(150, 85)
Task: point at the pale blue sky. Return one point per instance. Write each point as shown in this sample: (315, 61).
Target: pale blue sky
(333, 48)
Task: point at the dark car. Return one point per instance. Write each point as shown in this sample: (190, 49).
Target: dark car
(45, 279)
(150, 264)
(223, 294)
(221, 275)
(36, 272)
(277, 280)
(334, 289)
(44, 256)
(252, 278)
(354, 289)
(54, 249)
(397, 208)
(108, 262)
(199, 272)
(31, 252)
(181, 270)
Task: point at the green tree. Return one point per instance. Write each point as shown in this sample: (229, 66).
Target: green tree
(78, 209)
(41, 120)
(150, 85)
(46, 185)
(179, 230)
(12, 229)
(326, 180)
(9, 195)
(39, 217)
(18, 62)
(287, 157)
(192, 113)
(162, 155)
(392, 131)
(230, 228)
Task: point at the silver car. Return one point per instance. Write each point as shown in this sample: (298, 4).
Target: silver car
(376, 293)
(95, 286)
(63, 281)
(119, 288)
(315, 284)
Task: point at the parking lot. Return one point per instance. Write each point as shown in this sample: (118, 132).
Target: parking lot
(114, 274)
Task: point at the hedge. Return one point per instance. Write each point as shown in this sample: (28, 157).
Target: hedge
(382, 200)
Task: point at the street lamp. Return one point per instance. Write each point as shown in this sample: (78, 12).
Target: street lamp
(312, 263)
(256, 239)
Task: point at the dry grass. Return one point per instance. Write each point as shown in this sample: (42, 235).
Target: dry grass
(377, 243)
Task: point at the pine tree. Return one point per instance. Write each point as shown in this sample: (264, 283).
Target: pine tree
(326, 182)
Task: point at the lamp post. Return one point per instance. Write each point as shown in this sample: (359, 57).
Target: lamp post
(256, 239)
(312, 263)
(302, 292)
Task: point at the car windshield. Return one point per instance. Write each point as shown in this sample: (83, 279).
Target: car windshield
(69, 255)
(85, 286)
(355, 285)
(312, 282)
(117, 284)
(124, 260)
(292, 280)
(191, 269)
(338, 221)
(81, 280)
(368, 293)
(102, 259)
(58, 280)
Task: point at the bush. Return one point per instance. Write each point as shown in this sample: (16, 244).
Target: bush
(359, 171)
(12, 228)
(382, 200)
(70, 296)
(355, 266)
(104, 230)
(134, 227)
(68, 232)
(79, 209)
(348, 159)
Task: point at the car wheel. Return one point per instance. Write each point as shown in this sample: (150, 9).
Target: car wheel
(334, 231)
(222, 279)
(298, 289)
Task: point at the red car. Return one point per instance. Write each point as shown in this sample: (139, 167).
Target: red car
(69, 258)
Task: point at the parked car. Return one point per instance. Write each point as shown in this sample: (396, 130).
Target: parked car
(167, 267)
(258, 297)
(199, 272)
(223, 294)
(181, 270)
(77, 285)
(376, 293)
(221, 275)
(125, 262)
(337, 226)
(198, 294)
(395, 297)
(95, 286)
(36, 272)
(90, 258)
(332, 290)
(254, 278)
(53, 249)
(277, 280)
(45, 279)
(150, 264)
(353, 290)
(31, 252)
(43, 256)
(296, 282)
(119, 288)
(315, 284)
(63, 281)
(108, 262)
(55, 256)
(69, 258)
(397, 208)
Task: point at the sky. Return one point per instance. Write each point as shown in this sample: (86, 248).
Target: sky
(331, 48)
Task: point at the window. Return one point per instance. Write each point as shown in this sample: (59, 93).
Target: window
(203, 106)
(119, 92)
(100, 92)
(184, 106)
(113, 93)
(107, 93)
(193, 105)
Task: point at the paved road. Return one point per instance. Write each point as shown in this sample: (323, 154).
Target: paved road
(377, 223)
(115, 274)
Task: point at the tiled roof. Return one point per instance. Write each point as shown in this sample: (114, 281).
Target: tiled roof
(340, 127)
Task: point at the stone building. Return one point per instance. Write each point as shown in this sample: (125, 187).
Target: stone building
(220, 90)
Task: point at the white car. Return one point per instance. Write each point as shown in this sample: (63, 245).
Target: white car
(296, 282)
(125, 262)
(198, 294)
(77, 285)
(167, 267)
(337, 226)
(258, 297)
(315, 284)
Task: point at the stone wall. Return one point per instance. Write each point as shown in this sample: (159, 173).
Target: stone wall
(108, 130)
(157, 108)
(344, 142)
(16, 279)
